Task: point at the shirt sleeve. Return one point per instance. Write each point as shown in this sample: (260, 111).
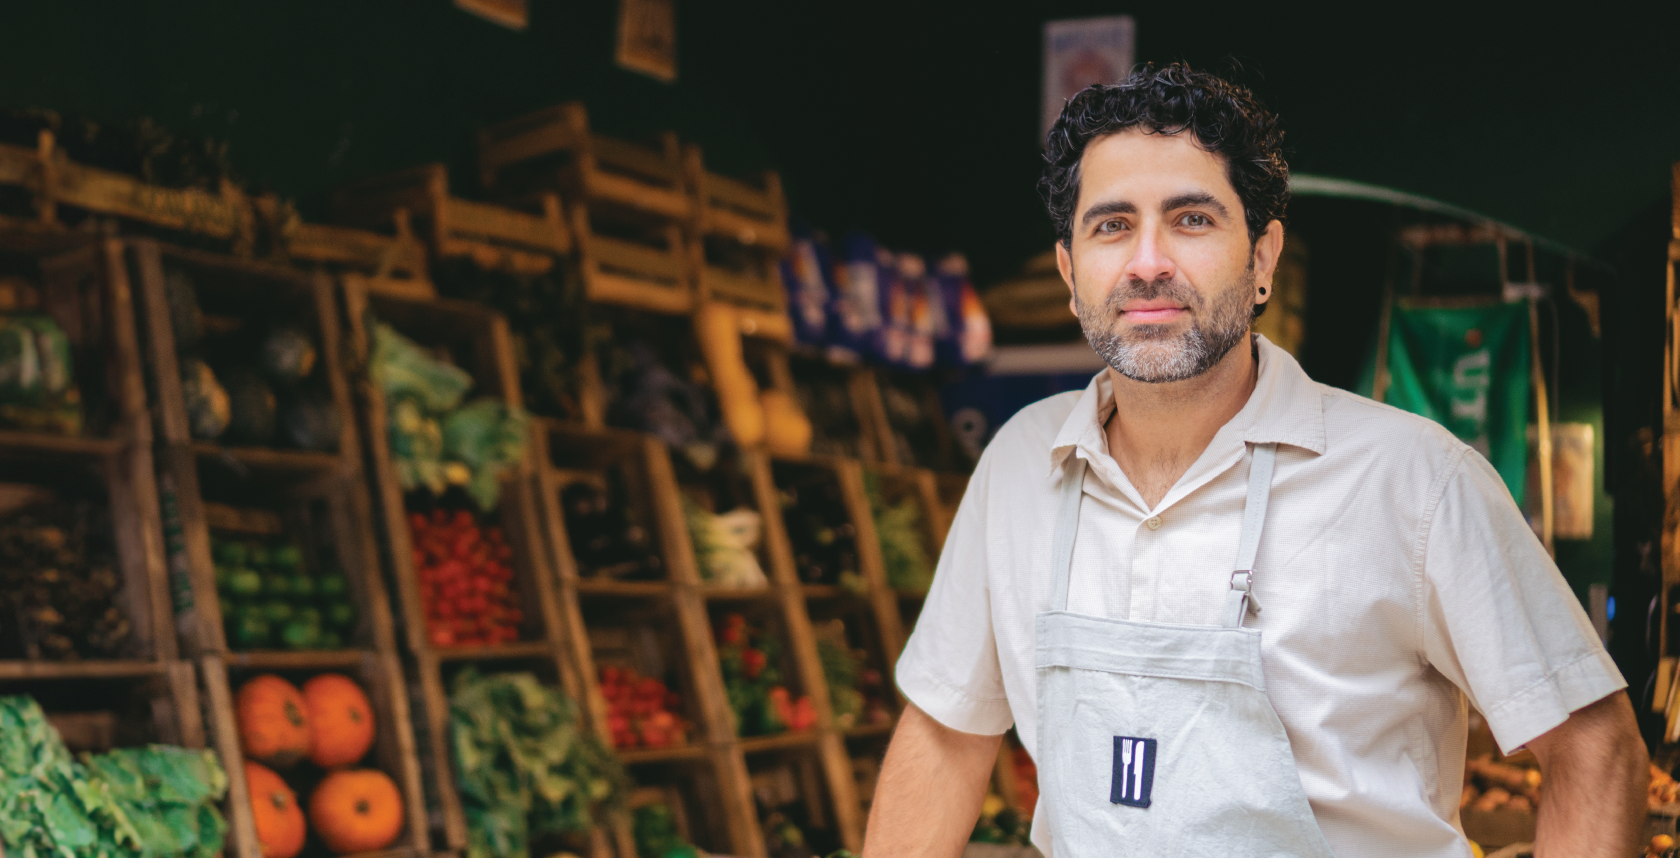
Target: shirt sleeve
(1499, 620)
(950, 667)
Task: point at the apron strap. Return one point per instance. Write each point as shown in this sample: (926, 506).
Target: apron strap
(1067, 527)
(1240, 600)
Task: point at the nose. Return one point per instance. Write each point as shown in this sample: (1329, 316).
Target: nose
(1150, 261)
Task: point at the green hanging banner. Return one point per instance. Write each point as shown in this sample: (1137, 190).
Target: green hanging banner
(1467, 369)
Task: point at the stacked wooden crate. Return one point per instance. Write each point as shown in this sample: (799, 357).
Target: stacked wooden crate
(314, 497)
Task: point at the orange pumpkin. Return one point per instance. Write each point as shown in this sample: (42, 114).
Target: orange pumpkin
(356, 810)
(275, 811)
(340, 721)
(273, 721)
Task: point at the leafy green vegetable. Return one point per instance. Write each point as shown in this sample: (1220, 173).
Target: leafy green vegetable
(656, 834)
(525, 766)
(903, 548)
(149, 802)
(841, 669)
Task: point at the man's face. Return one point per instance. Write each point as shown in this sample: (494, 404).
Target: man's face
(1163, 275)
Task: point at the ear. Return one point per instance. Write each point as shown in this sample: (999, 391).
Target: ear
(1266, 253)
(1064, 264)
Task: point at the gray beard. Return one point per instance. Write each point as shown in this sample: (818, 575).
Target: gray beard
(1151, 353)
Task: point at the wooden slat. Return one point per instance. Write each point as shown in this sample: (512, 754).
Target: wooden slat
(628, 258)
(317, 659)
(189, 209)
(882, 600)
(89, 669)
(242, 832)
(18, 165)
(496, 223)
(637, 294)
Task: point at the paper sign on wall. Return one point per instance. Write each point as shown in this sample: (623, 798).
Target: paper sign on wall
(1080, 52)
(647, 37)
(513, 14)
(1572, 480)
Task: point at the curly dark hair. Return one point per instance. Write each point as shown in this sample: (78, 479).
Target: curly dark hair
(1225, 119)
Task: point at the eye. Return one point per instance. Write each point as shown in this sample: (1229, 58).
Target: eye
(1195, 220)
(1110, 227)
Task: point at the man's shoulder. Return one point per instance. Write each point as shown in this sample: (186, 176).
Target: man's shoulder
(1033, 429)
(1357, 424)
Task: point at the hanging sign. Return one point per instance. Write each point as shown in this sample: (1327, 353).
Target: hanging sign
(1467, 369)
(647, 37)
(1572, 481)
(513, 14)
(1080, 52)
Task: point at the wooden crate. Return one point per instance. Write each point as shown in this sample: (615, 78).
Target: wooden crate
(493, 236)
(684, 645)
(477, 340)
(389, 264)
(635, 263)
(554, 149)
(316, 497)
(742, 275)
(751, 212)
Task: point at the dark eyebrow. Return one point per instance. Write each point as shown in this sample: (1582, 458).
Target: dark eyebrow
(1196, 199)
(1101, 210)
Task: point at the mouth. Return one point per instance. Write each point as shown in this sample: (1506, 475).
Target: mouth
(1152, 312)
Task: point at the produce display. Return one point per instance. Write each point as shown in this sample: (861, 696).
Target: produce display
(725, 546)
(820, 528)
(254, 381)
(465, 579)
(999, 824)
(270, 600)
(607, 536)
(1026, 778)
(752, 679)
(900, 529)
(139, 147)
(437, 441)
(856, 691)
(1491, 785)
(155, 801)
(656, 835)
(1663, 791)
(60, 583)
(641, 711)
(1661, 846)
(329, 722)
(38, 391)
(525, 766)
(646, 394)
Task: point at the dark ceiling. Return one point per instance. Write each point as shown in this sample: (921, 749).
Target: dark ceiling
(916, 121)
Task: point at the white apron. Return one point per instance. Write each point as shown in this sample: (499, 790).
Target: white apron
(1158, 740)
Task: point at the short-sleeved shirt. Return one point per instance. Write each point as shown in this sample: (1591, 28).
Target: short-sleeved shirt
(1397, 580)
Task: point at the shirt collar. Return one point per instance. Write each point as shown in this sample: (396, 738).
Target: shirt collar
(1286, 407)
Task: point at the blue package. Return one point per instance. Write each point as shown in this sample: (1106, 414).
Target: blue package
(808, 275)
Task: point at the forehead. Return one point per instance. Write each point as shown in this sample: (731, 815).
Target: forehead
(1139, 167)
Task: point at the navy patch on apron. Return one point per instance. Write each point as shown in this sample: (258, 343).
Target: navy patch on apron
(1134, 771)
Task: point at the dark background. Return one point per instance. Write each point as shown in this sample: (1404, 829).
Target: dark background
(918, 122)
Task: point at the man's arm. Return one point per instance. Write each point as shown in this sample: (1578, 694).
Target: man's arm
(1592, 793)
(932, 783)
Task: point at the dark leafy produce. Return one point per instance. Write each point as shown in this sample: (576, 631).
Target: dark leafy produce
(656, 834)
(271, 601)
(252, 408)
(784, 839)
(60, 584)
(648, 396)
(37, 381)
(155, 801)
(903, 544)
(208, 407)
(308, 419)
(548, 318)
(820, 528)
(287, 356)
(608, 538)
(1004, 827)
(526, 767)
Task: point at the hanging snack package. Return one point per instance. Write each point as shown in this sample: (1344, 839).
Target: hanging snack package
(857, 302)
(966, 336)
(922, 308)
(807, 272)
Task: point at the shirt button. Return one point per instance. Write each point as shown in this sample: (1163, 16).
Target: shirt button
(1154, 523)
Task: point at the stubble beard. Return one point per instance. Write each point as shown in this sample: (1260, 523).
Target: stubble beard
(1155, 354)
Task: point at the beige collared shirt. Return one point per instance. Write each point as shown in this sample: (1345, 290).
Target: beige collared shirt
(1397, 578)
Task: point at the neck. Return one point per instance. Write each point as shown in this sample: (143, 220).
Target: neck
(1158, 430)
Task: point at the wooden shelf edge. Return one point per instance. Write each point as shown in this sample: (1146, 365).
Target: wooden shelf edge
(673, 754)
(623, 589)
(14, 441)
(778, 742)
(499, 652)
(271, 458)
(92, 669)
(297, 659)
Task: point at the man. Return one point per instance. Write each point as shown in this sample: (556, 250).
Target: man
(1229, 610)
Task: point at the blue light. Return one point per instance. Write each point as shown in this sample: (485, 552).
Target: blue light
(1610, 608)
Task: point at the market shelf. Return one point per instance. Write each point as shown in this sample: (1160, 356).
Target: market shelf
(325, 659)
(499, 652)
(871, 731)
(831, 591)
(671, 754)
(101, 669)
(779, 742)
(35, 445)
(270, 461)
(623, 589)
(715, 593)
